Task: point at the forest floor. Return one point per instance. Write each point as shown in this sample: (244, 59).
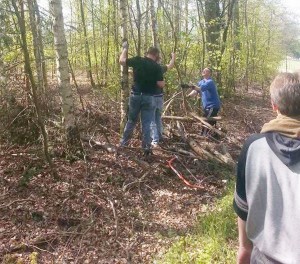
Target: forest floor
(112, 207)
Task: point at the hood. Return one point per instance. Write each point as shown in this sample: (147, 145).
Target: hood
(287, 149)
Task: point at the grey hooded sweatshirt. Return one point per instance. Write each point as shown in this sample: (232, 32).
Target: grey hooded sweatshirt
(267, 196)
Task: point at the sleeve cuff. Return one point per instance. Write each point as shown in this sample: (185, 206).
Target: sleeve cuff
(242, 214)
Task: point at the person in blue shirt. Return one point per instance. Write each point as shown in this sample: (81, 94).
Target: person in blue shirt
(208, 92)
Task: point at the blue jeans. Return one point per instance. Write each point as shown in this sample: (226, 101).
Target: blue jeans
(143, 104)
(156, 125)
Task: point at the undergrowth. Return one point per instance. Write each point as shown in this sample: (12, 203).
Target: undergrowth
(213, 239)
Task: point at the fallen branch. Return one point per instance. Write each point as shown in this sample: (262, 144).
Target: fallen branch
(206, 124)
(170, 101)
(104, 145)
(189, 119)
(179, 118)
(16, 201)
(115, 216)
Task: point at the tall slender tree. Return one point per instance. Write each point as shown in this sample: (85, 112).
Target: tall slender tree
(72, 132)
(86, 45)
(124, 69)
(36, 46)
(19, 12)
(154, 28)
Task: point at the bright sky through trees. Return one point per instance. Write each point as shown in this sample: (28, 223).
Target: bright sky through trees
(292, 5)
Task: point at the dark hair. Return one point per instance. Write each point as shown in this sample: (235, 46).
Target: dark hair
(153, 51)
(285, 93)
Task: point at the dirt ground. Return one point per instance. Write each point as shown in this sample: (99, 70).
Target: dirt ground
(112, 207)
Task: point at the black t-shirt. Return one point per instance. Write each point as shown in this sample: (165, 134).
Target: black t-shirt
(160, 91)
(146, 73)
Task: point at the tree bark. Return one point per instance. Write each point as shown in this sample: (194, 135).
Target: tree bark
(41, 45)
(36, 44)
(124, 69)
(86, 45)
(72, 132)
(28, 70)
(154, 28)
(94, 43)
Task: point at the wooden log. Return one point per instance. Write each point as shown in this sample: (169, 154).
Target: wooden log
(194, 145)
(179, 118)
(189, 119)
(201, 119)
(204, 153)
(223, 155)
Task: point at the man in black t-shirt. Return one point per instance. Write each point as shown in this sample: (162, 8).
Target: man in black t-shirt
(147, 77)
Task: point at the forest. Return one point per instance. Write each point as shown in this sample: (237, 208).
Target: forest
(68, 193)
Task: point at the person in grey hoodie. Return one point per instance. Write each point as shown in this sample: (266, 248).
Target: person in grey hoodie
(267, 193)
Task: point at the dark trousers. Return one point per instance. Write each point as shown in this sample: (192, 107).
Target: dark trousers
(211, 112)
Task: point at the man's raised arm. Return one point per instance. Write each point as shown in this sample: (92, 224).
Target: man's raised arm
(123, 56)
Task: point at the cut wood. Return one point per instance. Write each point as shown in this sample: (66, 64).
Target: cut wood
(179, 118)
(189, 119)
(224, 156)
(104, 145)
(201, 152)
(206, 124)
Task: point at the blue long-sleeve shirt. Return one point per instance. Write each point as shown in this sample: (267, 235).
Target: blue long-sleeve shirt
(209, 94)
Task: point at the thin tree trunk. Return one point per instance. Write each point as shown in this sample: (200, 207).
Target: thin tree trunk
(94, 43)
(107, 45)
(116, 34)
(146, 25)
(36, 47)
(199, 12)
(86, 45)
(124, 69)
(248, 46)
(28, 70)
(139, 25)
(72, 132)
(154, 28)
(41, 45)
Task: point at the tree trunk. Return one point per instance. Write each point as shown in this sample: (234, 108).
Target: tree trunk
(139, 27)
(72, 132)
(86, 45)
(36, 44)
(146, 25)
(28, 71)
(94, 43)
(124, 69)
(116, 34)
(41, 45)
(107, 44)
(212, 19)
(247, 45)
(154, 28)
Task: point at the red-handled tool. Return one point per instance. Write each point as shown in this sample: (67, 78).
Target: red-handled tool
(198, 186)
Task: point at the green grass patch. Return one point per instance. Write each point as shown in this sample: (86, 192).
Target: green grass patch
(213, 239)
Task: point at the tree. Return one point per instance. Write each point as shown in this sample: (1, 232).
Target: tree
(124, 69)
(154, 28)
(21, 22)
(60, 44)
(36, 45)
(86, 45)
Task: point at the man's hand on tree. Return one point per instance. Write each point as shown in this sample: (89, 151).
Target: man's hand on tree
(125, 44)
